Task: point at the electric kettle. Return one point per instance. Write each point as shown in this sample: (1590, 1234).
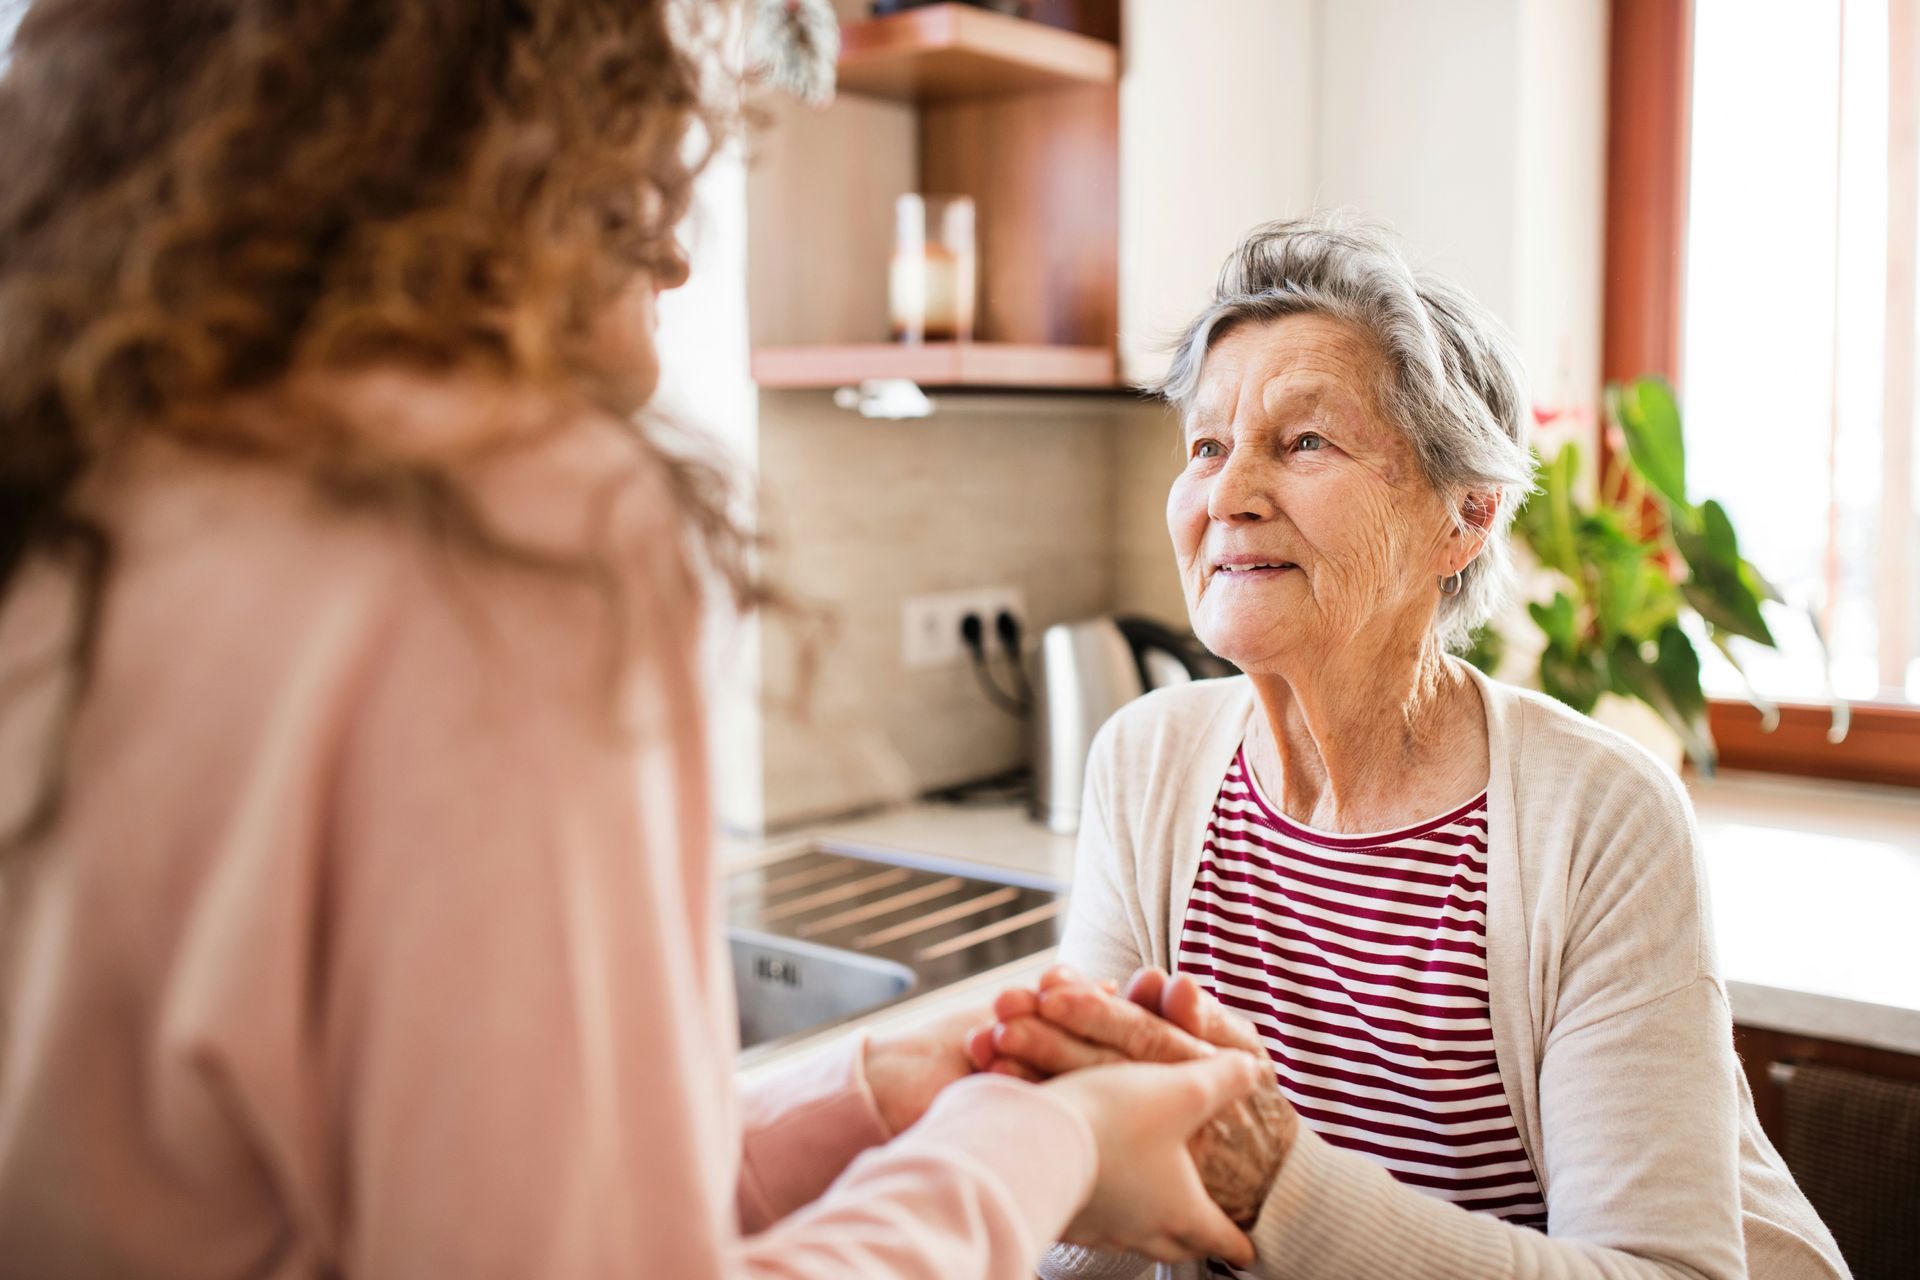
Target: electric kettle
(1084, 672)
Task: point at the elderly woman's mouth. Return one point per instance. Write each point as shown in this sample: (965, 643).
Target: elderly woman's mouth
(1254, 568)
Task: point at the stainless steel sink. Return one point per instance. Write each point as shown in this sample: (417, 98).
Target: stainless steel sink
(828, 932)
(786, 987)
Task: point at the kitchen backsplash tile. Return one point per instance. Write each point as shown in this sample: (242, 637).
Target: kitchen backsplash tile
(1060, 499)
(1145, 580)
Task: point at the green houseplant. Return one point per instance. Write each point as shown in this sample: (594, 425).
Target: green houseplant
(1628, 569)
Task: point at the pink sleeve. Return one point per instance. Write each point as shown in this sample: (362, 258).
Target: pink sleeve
(807, 1122)
(980, 1187)
(802, 1125)
(521, 1017)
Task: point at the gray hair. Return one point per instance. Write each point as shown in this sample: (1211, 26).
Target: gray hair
(1454, 383)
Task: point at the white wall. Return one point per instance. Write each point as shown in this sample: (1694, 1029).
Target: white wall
(1417, 125)
(1216, 111)
(705, 386)
(1561, 196)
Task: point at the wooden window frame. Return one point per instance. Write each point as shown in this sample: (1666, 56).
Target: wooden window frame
(1649, 121)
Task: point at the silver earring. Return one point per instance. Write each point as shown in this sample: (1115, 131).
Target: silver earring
(1450, 586)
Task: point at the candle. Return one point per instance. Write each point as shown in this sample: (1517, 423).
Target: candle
(931, 281)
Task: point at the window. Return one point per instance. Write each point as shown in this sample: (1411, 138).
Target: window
(1798, 367)
(10, 13)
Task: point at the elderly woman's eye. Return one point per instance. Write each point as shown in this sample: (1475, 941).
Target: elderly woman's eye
(1309, 442)
(1208, 449)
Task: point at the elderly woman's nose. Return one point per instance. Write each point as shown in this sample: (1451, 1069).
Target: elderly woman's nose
(1241, 489)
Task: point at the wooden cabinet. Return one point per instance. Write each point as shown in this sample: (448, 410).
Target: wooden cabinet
(1761, 1049)
(948, 52)
(1023, 118)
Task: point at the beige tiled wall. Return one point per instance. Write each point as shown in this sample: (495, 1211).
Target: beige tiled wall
(1060, 498)
(1148, 459)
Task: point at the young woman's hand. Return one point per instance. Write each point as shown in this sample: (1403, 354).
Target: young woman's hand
(1148, 1197)
(907, 1067)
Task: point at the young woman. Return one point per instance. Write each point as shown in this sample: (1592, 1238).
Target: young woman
(356, 904)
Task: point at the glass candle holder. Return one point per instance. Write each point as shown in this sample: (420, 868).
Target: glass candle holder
(931, 282)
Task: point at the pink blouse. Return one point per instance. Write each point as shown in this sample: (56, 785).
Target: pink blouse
(368, 944)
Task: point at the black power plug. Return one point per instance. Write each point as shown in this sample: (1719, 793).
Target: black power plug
(973, 634)
(1007, 627)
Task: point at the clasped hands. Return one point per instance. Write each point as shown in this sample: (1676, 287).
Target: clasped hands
(1076, 1037)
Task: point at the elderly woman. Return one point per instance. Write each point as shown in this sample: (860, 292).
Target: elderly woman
(1468, 925)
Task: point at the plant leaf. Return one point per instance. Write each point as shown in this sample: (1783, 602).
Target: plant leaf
(1723, 588)
(1657, 602)
(1650, 419)
(1718, 530)
(1678, 666)
(1758, 585)
(1547, 521)
(1726, 603)
(1576, 677)
(1649, 682)
(1708, 542)
(1486, 647)
(1630, 592)
(1555, 620)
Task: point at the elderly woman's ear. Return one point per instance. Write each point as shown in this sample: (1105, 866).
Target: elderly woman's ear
(1479, 514)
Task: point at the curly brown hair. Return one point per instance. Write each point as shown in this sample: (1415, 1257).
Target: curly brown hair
(205, 198)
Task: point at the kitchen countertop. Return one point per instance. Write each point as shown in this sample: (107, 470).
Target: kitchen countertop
(989, 835)
(1815, 893)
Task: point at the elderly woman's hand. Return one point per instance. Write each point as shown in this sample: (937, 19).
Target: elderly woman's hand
(1070, 1023)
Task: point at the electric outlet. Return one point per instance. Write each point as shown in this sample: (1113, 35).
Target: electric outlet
(991, 601)
(930, 625)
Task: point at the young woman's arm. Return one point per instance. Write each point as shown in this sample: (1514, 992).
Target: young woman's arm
(801, 1127)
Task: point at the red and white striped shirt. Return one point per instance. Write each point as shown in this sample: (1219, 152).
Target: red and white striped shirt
(1362, 961)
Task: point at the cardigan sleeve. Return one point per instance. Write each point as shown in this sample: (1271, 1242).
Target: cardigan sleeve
(1103, 938)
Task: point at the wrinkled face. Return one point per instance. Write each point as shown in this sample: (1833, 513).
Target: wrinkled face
(1302, 523)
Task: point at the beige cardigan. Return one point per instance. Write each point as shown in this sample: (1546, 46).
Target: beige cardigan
(1610, 1019)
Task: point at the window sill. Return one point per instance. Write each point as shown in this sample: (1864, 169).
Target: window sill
(1882, 743)
(1811, 886)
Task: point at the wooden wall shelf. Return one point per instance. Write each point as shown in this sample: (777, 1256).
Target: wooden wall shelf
(948, 51)
(938, 364)
(1024, 118)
